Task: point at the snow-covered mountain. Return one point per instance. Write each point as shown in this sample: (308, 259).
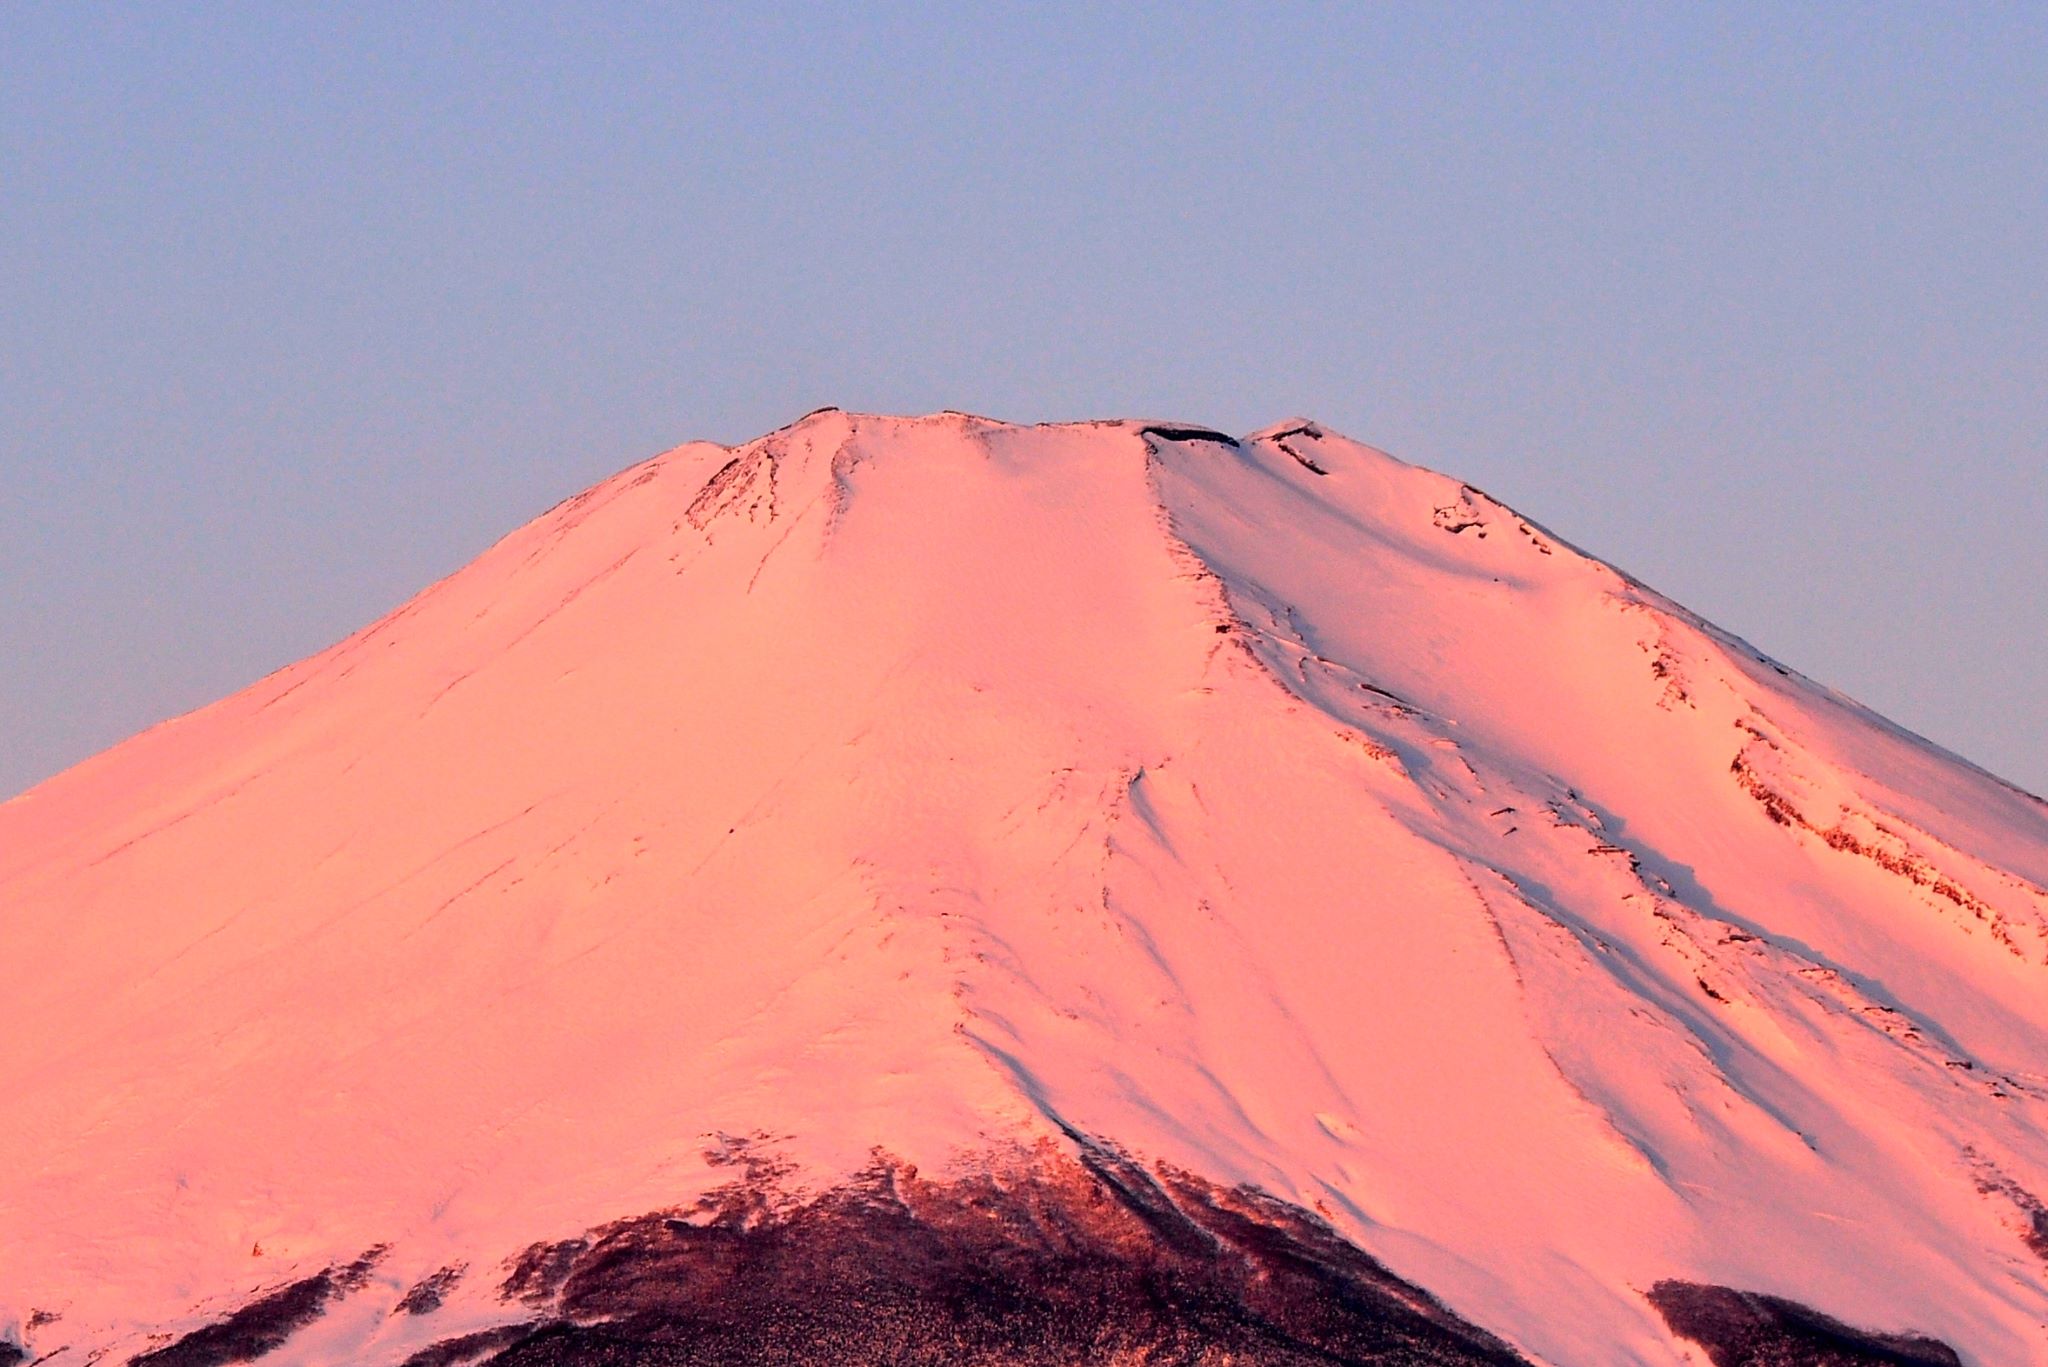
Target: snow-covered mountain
(932, 890)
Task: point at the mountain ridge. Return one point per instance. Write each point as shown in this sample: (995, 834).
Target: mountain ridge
(1266, 806)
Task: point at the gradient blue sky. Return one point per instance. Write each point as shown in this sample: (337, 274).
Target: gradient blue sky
(300, 311)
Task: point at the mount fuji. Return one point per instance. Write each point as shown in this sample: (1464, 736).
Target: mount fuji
(929, 890)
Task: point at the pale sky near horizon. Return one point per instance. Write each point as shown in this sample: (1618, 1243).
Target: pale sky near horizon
(300, 310)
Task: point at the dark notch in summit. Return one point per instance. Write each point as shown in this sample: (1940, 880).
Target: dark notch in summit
(1175, 432)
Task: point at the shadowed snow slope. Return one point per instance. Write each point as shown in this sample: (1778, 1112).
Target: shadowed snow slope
(1272, 812)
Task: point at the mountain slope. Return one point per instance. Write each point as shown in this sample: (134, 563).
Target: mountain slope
(1273, 811)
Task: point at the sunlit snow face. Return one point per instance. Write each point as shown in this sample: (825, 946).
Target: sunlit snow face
(1269, 810)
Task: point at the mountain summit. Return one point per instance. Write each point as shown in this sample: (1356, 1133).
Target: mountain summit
(931, 890)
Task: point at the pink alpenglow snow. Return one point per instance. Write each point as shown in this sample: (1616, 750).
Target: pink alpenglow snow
(1096, 892)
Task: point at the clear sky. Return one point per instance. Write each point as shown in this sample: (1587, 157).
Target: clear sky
(299, 311)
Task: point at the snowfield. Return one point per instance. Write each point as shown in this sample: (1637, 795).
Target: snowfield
(1268, 812)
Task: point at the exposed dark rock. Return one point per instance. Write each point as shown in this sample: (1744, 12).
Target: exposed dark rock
(538, 1273)
(1301, 429)
(469, 1347)
(1166, 433)
(266, 1322)
(1748, 1329)
(1039, 1263)
(1882, 847)
(1301, 458)
(356, 1275)
(12, 1353)
(2033, 1214)
(426, 1295)
(744, 483)
(257, 1328)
